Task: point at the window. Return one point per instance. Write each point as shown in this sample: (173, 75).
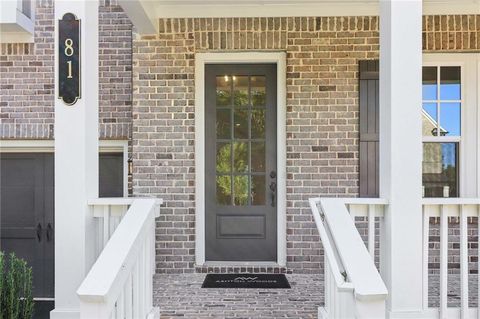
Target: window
(441, 126)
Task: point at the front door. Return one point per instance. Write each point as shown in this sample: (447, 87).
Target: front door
(240, 162)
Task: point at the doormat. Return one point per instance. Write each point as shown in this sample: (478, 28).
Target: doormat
(268, 281)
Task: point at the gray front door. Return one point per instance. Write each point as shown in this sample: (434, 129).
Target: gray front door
(240, 162)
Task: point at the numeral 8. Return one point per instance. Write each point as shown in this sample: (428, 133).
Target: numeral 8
(68, 47)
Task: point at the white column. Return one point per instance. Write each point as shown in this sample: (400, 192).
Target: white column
(401, 153)
(76, 163)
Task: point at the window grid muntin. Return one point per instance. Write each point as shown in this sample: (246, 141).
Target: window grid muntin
(249, 107)
(448, 138)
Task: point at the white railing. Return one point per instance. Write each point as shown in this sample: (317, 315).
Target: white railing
(107, 214)
(120, 284)
(459, 209)
(353, 286)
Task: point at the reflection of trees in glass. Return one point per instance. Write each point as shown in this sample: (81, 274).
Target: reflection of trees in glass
(258, 97)
(240, 183)
(439, 168)
(224, 196)
(223, 97)
(240, 97)
(258, 123)
(223, 158)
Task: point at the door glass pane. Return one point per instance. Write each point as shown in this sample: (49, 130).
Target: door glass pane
(224, 190)
(224, 91)
(224, 160)
(240, 157)
(241, 124)
(223, 124)
(429, 83)
(258, 123)
(258, 190)
(258, 157)
(450, 119)
(258, 90)
(240, 190)
(240, 90)
(440, 169)
(450, 83)
(429, 119)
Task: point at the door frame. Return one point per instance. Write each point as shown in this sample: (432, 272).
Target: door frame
(201, 59)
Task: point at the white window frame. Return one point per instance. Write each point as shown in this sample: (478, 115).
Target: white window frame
(468, 171)
(201, 59)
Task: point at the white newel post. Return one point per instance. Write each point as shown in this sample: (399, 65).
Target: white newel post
(401, 153)
(76, 163)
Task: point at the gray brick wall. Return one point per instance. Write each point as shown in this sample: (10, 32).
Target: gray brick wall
(322, 114)
(27, 78)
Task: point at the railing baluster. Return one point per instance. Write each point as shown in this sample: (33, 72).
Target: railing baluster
(136, 290)
(106, 224)
(426, 235)
(443, 262)
(464, 261)
(128, 298)
(371, 231)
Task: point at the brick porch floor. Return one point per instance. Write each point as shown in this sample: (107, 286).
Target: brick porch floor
(181, 296)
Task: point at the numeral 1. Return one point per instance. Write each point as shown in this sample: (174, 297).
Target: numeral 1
(69, 69)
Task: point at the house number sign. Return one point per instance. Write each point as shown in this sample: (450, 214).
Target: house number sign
(69, 89)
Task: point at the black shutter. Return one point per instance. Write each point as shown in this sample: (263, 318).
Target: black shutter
(369, 127)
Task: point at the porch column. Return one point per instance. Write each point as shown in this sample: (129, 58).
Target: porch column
(401, 153)
(76, 162)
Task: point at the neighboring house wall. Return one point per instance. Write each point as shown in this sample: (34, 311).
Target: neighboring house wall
(322, 114)
(27, 80)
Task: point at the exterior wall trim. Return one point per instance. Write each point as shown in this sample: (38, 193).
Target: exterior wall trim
(239, 57)
(48, 146)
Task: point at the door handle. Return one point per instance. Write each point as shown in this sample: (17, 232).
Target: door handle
(49, 232)
(273, 189)
(39, 232)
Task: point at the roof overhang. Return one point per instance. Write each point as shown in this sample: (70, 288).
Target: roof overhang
(145, 13)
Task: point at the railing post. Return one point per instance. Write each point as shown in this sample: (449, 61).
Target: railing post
(401, 152)
(76, 160)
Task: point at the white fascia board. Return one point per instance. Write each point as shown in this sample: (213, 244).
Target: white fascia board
(451, 7)
(267, 10)
(142, 14)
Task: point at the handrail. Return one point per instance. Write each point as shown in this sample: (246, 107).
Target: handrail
(354, 255)
(361, 293)
(328, 247)
(107, 277)
(111, 201)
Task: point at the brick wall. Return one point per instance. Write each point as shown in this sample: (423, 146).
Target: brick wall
(27, 79)
(322, 119)
(322, 114)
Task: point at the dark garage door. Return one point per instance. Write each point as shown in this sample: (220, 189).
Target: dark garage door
(27, 212)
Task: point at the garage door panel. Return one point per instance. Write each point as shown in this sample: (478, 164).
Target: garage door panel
(18, 171)
(17, 205)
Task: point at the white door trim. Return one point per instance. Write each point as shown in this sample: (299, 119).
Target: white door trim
(279, 58)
